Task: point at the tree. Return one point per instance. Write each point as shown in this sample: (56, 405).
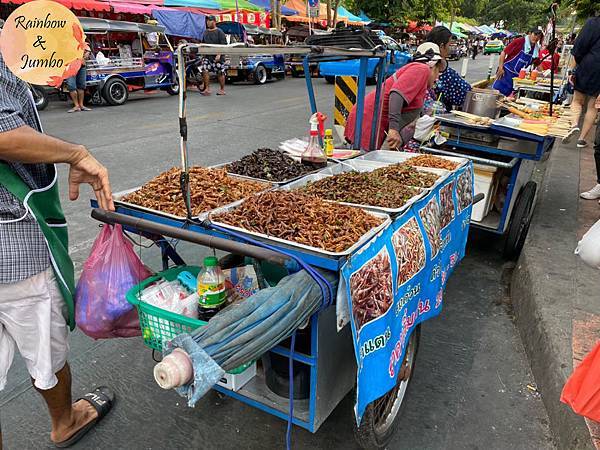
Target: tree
(518, 15)
(584, 8)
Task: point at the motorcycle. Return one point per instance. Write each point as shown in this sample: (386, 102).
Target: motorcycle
(40, 96)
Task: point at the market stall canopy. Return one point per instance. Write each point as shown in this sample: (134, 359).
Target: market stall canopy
(84, 5)
(343, 12)
(239, 4)
(212, 4)
(131, 8)
(181, 23)
(266, 5)
(414, 27)
(364, 17)
(95, 25)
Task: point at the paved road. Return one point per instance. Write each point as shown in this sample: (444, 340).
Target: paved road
(470, 387)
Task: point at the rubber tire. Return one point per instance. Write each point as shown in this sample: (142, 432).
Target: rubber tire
(520, 220)
(260, 75)
(174, 88)
(40, 97)
(108, 96)
(366, 436)
(295, 73)
(330, 79)
(278, 76)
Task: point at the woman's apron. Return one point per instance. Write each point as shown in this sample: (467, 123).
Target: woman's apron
(44, 205)
(512, 68)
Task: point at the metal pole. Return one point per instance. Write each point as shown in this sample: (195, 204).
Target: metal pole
(185, 176)
(309, 85)
(553, 19)
(360, 100)
(378, 107)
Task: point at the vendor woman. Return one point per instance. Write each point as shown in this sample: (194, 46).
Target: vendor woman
(517, 55)
(403, 96)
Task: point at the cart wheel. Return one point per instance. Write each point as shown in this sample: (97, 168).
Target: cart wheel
(260, 75)
(40, 97)
(380, 420)
(520, 220)
(115, 92)
(330, 79)
(174, 88)
(295, 73)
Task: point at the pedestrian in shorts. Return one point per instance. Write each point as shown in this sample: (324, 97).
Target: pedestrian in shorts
(214, 63)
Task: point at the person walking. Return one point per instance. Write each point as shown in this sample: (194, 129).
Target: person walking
(586, 77)
(76, 85)
(36, 273)
(594, 193)
(214, 35)
(474, 49)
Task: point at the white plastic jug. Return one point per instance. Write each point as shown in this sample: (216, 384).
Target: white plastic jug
(588, 248)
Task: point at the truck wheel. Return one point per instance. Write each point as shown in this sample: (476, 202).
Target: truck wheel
(40, 97)
(115, 92)
(330, 79)
(520, 220)
(260, 75)
(381, 417)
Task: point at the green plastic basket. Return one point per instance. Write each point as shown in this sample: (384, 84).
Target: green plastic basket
(159, 325)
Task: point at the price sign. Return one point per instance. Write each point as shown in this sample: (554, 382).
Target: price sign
(313, 12)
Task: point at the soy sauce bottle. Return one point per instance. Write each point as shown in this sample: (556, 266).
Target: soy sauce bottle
(211, 289)
(314, 154)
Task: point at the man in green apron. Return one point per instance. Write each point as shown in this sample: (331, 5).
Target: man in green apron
(36, 274)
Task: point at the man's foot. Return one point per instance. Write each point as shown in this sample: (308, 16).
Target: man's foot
(570, 135)
(72, 110)
(85, 108)
(592, 194)
(581, 143)
(87, 412)
(221, 92)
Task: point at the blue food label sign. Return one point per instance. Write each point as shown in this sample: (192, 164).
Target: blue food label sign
(397, 281)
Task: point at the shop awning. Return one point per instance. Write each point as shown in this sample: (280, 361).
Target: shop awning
(241, 4)
(266, 5)
(181, 23)
(131, 8)
(364, 17)
(343, 12)
(194, 3)
(85, 5)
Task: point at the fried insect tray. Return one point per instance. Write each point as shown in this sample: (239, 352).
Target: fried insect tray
(301, 247)
(388, 156)
(262, 180)
(118, 196)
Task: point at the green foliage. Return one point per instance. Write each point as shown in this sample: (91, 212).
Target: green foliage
(584, 8)
(518, 15)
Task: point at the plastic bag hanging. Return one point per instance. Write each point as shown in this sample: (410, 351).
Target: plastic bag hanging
(101, 309)
(582, 389)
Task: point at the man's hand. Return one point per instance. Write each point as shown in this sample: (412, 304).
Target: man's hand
(394, 140)
(86, 169)
(500, 72)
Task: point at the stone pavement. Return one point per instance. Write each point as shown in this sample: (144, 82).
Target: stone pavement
(555, 295)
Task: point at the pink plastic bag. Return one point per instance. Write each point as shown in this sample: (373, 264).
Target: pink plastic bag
(101, 309)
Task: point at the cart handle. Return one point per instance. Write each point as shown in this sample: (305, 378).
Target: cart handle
(110, 217)
(486, 161)
(478, 197)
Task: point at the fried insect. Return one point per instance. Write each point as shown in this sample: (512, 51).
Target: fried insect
(371, 289)
(301, 218)
(432, 161)
(270, 165)
(209, 188)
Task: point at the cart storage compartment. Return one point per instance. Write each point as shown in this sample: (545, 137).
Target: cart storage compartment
(486, 183)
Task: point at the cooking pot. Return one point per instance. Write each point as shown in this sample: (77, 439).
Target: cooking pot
(482, 102)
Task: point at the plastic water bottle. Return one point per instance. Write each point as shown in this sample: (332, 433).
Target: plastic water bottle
(211, 289)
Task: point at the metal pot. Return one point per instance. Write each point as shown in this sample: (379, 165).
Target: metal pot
(482, 102)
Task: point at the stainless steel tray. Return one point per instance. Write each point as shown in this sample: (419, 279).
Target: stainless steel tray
(458, 120)
(276, 183)
(390, 156)
(305, 248)
(117, 196)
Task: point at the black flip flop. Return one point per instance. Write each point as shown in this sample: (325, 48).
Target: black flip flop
(102, 399)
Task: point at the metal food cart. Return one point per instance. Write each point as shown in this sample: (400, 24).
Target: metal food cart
(327, 355)
(512, 154)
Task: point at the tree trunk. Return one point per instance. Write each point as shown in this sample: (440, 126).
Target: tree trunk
(336, 3)
(329, 13)
(273, 13)
(279, 2)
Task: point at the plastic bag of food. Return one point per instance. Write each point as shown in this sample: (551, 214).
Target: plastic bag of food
(582, 389)
(101, 309)
(424, 127)
(588, 247)
(241, 283)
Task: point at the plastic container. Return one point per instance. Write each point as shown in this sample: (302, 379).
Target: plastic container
(314, 154)
(534, 74)
(484, 183)
(211, 289)
(522, 74)
(328, 142)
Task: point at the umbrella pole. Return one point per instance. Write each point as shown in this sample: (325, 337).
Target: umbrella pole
(185, 175)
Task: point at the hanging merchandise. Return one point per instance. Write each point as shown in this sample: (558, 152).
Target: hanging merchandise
(101, 309)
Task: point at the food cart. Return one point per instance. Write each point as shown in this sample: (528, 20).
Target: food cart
(322, 354)
(504, 159)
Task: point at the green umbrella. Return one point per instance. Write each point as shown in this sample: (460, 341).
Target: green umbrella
(241, 4)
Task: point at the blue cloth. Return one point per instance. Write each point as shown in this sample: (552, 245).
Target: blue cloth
(266, 4)
(527, 48)
(452, 87)
(343, 12)
(78, 81)
(182, 23)
(513, 66)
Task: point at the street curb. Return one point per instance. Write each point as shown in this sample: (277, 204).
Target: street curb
(544, 292)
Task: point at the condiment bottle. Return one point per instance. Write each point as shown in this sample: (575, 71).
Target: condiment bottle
(522, 73)
(314, 153)
(328, 142)
(211, 289)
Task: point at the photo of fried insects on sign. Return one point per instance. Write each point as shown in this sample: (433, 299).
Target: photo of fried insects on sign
(371, 289)
(464, 190)
(430, 215)
(447, 204)
(409, 248)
